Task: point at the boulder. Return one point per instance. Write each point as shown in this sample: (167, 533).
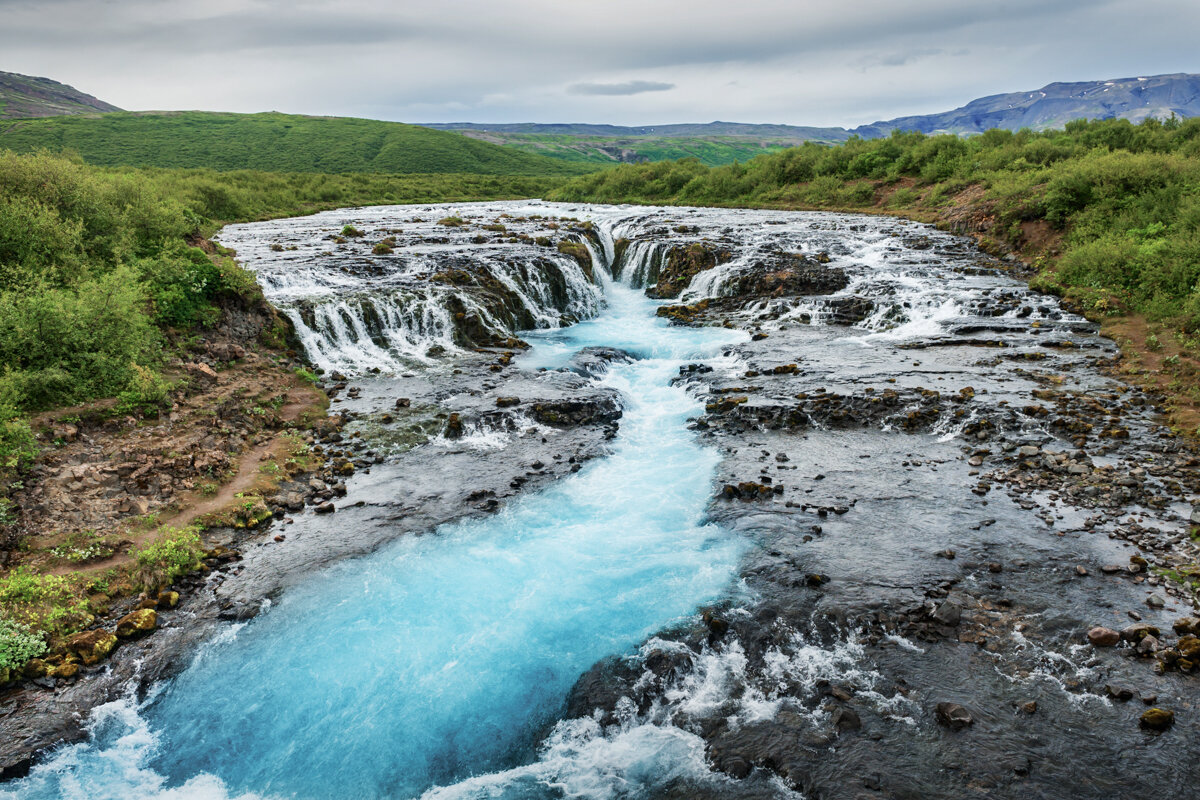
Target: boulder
(845, 719)
(68, 669)
(201, 375)
(1189, 647)
(1139, 631)
(92, 647)
(948, 613)
(137, 623)
(1103, 637)
(1157, 719)
(35, 668)
(1185, 625)
(953, 716)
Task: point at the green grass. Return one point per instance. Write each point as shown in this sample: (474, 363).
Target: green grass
(709, 150)
(271, 142)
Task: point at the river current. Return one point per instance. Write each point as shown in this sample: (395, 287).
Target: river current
(440, 664)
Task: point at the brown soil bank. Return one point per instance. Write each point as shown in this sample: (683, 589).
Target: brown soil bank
(120, 503)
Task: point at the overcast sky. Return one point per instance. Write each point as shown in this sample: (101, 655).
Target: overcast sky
(803, 62)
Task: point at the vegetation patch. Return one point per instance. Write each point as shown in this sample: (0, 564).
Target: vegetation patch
(172, 554)
(272, 142)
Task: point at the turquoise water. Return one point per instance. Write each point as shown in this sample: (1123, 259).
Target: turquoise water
(449, 655)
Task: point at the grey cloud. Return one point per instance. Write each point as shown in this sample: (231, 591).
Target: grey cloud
(812, 62)
(627, 88)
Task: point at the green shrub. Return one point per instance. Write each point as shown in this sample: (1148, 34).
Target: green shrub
(176, 553)
(181, 285)
(18, 447)
(18, 644)
(61, 346)
(147, 390)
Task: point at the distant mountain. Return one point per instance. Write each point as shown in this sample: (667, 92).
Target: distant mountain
(24, 96)
(1056, 104)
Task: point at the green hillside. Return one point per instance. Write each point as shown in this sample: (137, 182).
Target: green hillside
(601, 150)
(271, 142)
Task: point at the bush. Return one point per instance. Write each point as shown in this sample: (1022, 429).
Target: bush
(176, 553)
(60, 346)
(148, 391)
(18, 644)
(18, 447)
(181, 285)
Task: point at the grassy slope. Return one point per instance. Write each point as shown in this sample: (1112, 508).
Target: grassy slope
(710, 150)
(271, 142)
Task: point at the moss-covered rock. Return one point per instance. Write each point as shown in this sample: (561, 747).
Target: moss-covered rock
(683, 314)
(251, 513)
(67, 669)
(92, 647)
(1157, 719)
(137, 623)
(34, 668)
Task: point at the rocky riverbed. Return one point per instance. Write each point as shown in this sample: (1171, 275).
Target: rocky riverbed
(938, 490)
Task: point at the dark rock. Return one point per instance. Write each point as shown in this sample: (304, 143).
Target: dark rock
(1103, 637)
(1119, 693)
(845, 719)
(789, 274)
(948, 613)
(325, 508)
(1137, 632)
(683, 263)
(953, 716)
